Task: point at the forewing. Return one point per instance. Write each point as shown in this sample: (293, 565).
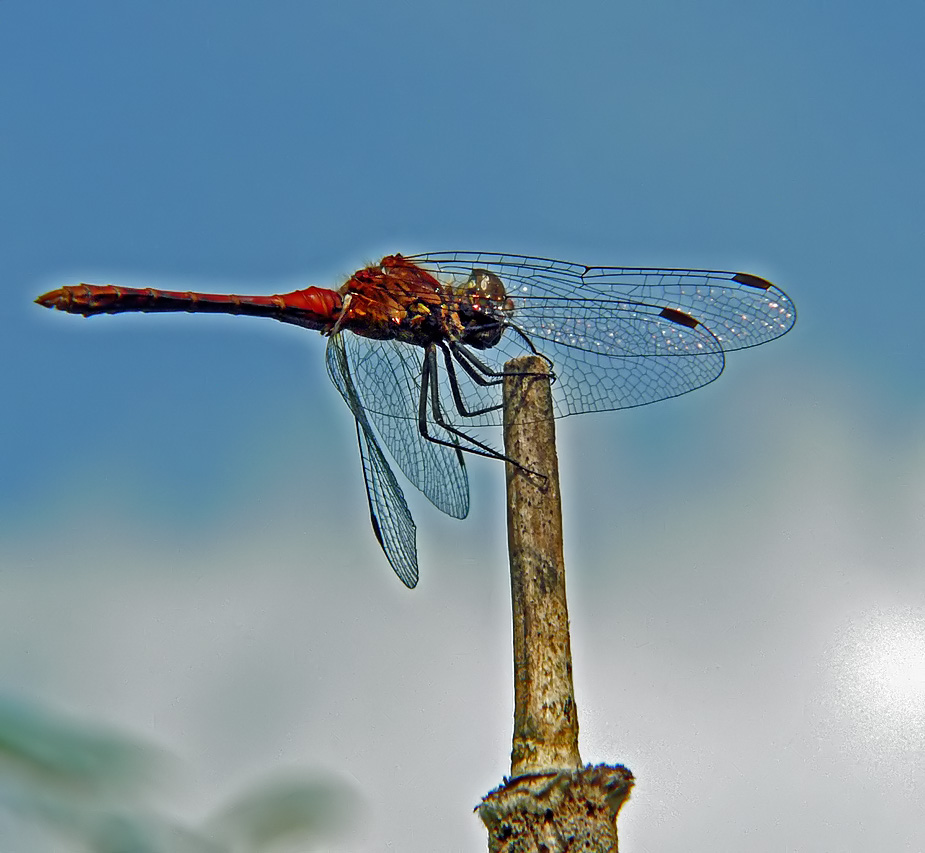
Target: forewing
(740, 310)
(622, 337)
(391, 519)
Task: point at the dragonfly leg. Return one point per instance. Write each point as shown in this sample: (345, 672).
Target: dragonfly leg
(476, 369)
(430, 398)
(527, 340)
(474, 366)
(448, 354)
(423, 400)
(430, 391)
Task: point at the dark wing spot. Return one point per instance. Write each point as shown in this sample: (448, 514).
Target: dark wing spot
(751, 280)
(376, 528)
(679, 317)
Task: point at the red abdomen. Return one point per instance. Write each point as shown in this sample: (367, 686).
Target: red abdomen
(313, 307)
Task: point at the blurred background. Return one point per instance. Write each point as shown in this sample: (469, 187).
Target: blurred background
(186, 560)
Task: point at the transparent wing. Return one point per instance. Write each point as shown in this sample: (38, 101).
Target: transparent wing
(386, 377)
(392, 522)
(391, 519)
(618, 337)
(739, 309)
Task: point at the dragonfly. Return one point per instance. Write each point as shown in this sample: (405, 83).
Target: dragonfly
(417, 347)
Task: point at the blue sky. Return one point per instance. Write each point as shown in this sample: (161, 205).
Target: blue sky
(182, 523)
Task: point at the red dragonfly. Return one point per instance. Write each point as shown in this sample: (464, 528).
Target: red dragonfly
(417, 346)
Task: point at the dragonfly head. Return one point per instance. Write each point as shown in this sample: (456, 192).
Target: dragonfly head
(488, 303)
(485, 285)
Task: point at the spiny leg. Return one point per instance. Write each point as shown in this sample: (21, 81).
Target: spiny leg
(448, 354)
(430, 387)
(479, 370)
(422, 406)
(527, 340)
(476, 369)
(430, 393)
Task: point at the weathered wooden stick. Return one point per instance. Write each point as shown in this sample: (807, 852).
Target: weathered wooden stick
(545, 721)
(551, 803)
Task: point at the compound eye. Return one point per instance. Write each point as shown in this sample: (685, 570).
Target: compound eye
(487, 284)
